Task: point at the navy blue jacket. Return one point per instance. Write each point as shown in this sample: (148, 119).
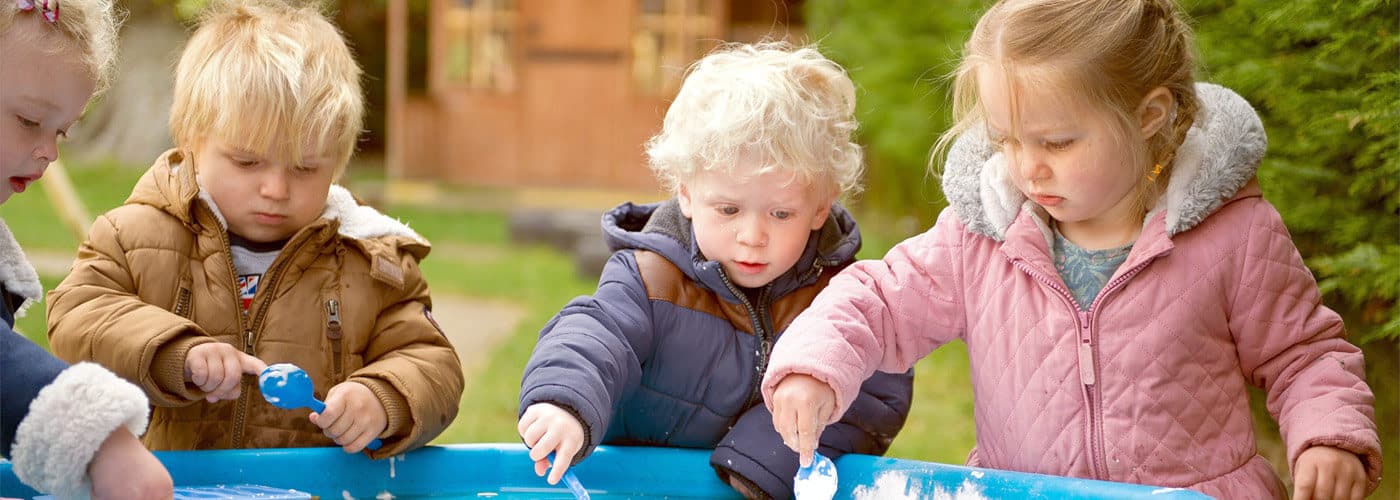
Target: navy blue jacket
(25, 368)
(667, 352)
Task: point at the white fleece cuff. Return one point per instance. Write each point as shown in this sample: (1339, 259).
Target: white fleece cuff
(66, 424)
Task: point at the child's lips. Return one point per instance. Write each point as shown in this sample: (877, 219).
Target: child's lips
(1046, 200)
(19, 184)
(267, 218)
(751, 267)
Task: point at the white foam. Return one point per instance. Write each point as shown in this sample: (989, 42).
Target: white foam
(896, 485)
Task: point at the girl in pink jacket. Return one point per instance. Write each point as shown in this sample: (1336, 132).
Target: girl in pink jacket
(1113, 269)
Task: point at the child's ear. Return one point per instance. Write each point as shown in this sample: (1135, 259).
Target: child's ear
(1155, 111)
(683, 199)
(819, 218)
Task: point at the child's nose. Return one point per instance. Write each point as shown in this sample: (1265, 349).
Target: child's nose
(46, 151)
(1031, 165)
(274, 186)
(752, 234)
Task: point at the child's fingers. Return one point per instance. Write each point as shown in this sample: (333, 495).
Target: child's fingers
(231, 375)
(564, 455)
(1322, 489)
(1358, 489)
(541, 467)
(561, 465)
(331, 415)
(547, 444)
(531, 436)
(1304, 481)
(358, 440)
(197, 371)
(527, 420)
(805, 441)
(251, 364)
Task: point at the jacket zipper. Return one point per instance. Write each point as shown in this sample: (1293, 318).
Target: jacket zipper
(1087, 369)
(334, 333)
(1088, 359)
(765, 343)
(1088, 317)
(241, 407)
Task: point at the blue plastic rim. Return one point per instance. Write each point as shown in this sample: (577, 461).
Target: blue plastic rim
(469, 470)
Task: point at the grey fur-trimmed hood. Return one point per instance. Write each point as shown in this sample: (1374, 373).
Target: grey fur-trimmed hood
(17, 275)
(1220, 155)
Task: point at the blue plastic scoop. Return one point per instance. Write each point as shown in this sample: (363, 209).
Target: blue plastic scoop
(816, 481)
(288, 387)
(571, 481)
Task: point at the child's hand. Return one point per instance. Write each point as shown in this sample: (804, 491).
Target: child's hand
(547, 428)
(1327, 473)
(217, 369)
(122, 468)
(801, 406)
(353, 416)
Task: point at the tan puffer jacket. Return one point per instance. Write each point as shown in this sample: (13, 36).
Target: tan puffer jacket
(155, 278)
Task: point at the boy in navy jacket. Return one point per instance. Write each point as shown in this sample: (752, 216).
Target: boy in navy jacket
(670, 349)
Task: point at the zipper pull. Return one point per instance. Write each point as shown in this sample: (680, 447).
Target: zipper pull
(1086, 351)
(248, 341)
(333, 321)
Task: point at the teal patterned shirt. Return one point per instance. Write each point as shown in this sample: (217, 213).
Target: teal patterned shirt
(1086, 271)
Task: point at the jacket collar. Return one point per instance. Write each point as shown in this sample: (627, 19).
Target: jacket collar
(662, 228)
(172, 186)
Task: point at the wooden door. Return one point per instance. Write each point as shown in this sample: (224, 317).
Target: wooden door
(574, 89)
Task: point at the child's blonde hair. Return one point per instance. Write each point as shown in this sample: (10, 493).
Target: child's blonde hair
(274, 78)
(90, 26)
(790, 109)
(1107, 54)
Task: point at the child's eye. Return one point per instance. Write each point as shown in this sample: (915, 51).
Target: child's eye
(727, 210)
(245, 163)
(1059, 145)
(304, 169)
(782, 214)
(27, 123)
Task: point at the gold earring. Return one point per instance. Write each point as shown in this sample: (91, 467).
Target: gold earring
(1156, 170)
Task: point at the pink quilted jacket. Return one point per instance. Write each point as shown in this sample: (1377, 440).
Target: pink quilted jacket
(1147, 386)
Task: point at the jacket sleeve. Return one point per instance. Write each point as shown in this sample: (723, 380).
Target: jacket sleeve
(877, 314)
(590, 355)
(56, 416)
(95, 315)
(754, 451)
(1294, 348)
(411, 367)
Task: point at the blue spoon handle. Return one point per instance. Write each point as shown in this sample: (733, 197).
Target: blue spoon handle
(318, 406)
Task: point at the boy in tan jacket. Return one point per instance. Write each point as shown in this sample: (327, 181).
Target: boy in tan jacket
(236, 250)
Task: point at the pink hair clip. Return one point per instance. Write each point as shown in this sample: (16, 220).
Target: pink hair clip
(48, 7)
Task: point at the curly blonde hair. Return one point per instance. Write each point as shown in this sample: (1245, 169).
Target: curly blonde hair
(275, 78)
(1108, 54)
(89, 26)
(789, 109)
